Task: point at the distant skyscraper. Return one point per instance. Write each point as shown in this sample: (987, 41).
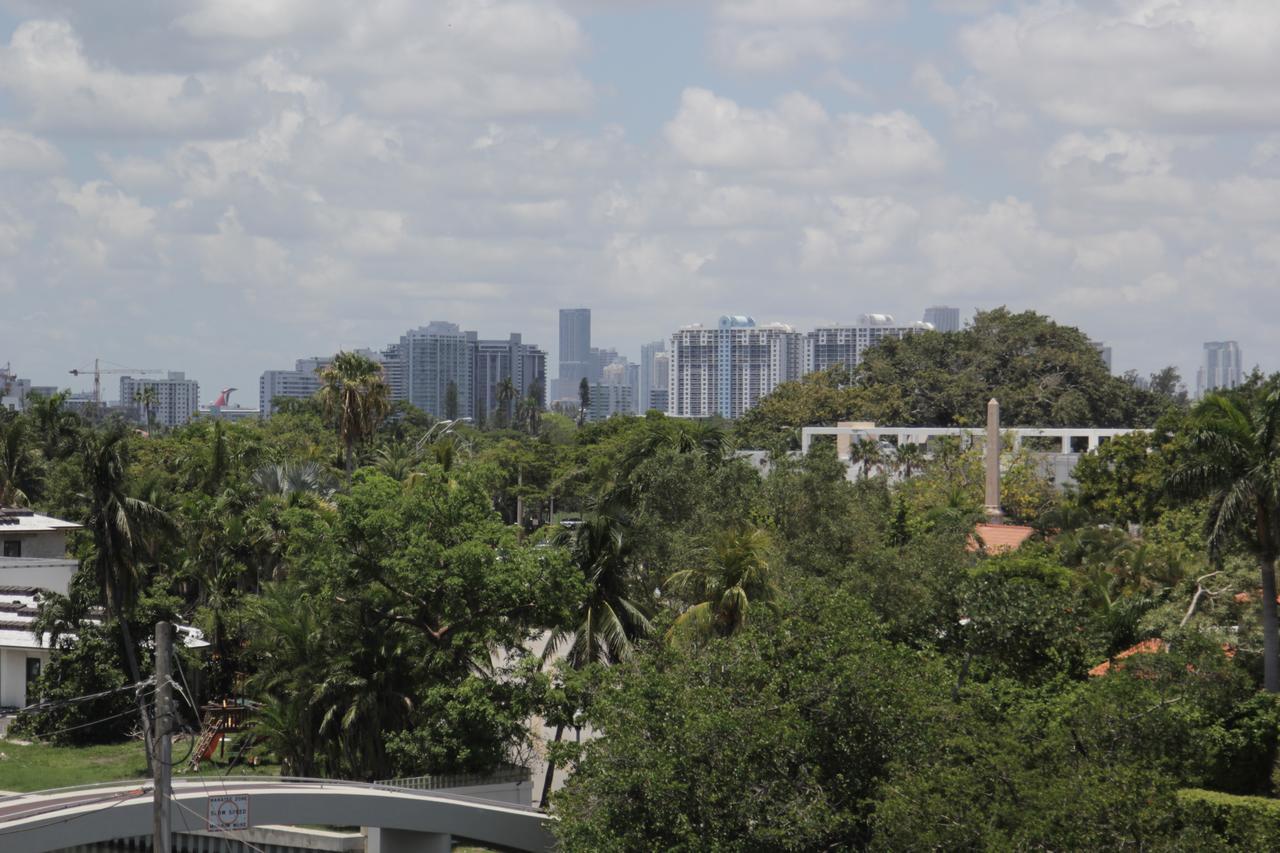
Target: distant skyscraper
(1104, 352)
(828, 346)
(943, 318)
(609, 399)
(297, 384)
(575, 351)
(1222, 367)
(648, 380)
(496, 360)
(725, 370)
(659, 392)
(430, 359)
(177, 398)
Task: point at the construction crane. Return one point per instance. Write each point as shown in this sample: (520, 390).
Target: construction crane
(97, 377)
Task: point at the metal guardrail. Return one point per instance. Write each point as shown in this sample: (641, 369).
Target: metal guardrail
(501, 776)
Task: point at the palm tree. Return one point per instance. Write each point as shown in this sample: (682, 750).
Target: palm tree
(119, 526)
(1235, 461)
(608, 621)
(146, 399)
(867, 453)
(355, 395)
(584, 400)
(910, 458)
(505, 394)
(738, 574)
(451, 401)
(19, 463)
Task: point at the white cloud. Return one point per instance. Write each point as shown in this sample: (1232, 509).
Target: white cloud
(22, 152)
(798, 139)
(1183, 64)
(771, 35)
(782, 11)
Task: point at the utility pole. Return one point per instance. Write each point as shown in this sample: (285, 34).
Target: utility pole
(162, 759)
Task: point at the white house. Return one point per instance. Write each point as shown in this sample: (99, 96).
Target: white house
(33, 549)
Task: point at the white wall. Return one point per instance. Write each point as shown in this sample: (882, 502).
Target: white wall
(13, 674)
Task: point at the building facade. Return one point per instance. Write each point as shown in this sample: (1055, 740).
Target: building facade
(1222, 367)
(497, 360)
(648, 379)
(828, 346)
(725, 370)
(943, 318)
(608, 400)
(434, 370)
(177, 398)
(298, 384)
(575, 352)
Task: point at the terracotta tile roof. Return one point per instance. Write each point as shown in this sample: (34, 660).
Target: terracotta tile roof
(1153, 646)
(1147, 647)
(999, 538)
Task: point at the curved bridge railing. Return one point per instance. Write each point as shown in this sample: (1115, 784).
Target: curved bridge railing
(88, 814)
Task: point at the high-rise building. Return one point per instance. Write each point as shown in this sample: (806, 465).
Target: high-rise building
(943, 318)
(648, 381)
(659, 393)
(608, 400)
(725, 370)
(828, 346)
(575, 351)
(177, 398)
(496, 360)
(297, 384)
(1222, 367)
(433, 368)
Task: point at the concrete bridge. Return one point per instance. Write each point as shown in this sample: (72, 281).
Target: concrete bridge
(397, 820)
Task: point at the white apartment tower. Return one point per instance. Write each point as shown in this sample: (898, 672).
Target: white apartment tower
(828, 346)
(297, 384)
(725, 370)
(1222, 367)
(177, 398)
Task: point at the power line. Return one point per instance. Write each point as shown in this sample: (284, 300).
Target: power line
(40, 707)
(47, 735)
(120, 798)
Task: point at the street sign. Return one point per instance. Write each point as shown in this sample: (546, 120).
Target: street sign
(228, 813)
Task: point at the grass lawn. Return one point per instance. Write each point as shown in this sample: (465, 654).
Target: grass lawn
(37, 766)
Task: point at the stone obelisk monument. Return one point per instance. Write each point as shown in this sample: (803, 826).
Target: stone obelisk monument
(994, 515)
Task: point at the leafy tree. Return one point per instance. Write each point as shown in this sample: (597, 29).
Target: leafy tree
(772, 740)
(354, 395)
(1235, 460)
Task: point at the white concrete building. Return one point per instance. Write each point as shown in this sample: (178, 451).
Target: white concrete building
(943, 318)
(609, 400)
(297, 384)
(827, 346)
(725, 370)
(177, 398)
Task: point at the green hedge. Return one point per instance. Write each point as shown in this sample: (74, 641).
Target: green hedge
(1243, 823)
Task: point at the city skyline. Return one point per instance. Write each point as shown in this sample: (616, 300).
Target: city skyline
(214, 192)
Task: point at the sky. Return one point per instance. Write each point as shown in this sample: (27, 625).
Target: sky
(224, 186)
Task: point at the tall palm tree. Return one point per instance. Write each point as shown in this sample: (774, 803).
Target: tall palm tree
(910, 458)
(1235, 461)
(505, 395)
(867, 453)
(738, 574)
(355, 395)
(119, 526)
(584, 400)
(146, 399)
(19, 463)
(608, 621)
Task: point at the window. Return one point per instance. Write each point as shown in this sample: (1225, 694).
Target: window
(13, 547)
